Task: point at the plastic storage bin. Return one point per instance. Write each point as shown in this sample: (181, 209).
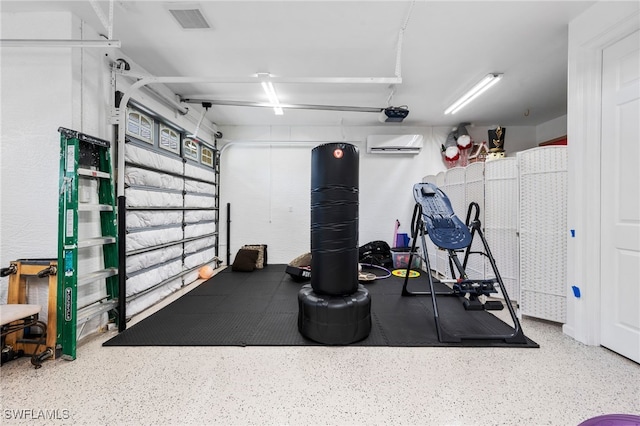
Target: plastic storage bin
(400, 256)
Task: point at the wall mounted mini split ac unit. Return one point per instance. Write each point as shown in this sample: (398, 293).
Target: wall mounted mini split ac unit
(395, 144)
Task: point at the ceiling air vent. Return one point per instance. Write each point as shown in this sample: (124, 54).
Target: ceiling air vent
(190, 19)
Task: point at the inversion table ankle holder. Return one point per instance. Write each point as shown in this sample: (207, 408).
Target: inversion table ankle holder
(434, 215)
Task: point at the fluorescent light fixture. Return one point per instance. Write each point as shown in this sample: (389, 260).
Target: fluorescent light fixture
(273, 98)
(476, 91)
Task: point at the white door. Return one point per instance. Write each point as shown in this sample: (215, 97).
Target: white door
(620, 199)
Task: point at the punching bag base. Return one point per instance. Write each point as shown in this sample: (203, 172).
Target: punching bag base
(334, 320)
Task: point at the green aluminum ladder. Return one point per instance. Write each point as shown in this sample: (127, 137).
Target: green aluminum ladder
(84, 157)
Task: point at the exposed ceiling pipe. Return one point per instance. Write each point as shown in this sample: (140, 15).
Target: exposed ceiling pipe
(400, 40)
(256, 79)
(58, 43)
(289, 106)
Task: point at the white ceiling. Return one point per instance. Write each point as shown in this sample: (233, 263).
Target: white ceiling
(446, 48)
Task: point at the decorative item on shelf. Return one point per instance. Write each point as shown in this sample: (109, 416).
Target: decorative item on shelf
(451, 156)
(457, 147)
(496, 143)
(479, 153)
(465, 144)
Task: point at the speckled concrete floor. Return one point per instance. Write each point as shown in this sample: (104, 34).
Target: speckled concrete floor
(561, 383)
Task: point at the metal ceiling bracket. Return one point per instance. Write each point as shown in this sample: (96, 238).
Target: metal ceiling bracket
(107, 23)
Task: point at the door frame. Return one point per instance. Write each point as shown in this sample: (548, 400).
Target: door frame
(589, 34)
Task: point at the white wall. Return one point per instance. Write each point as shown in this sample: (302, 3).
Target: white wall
(552, 129)
(598, 27)
(37, 98)
(45, 88)
(266, 176)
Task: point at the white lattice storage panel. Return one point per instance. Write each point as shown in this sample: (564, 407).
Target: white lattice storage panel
(542, 226)
(454, 180)
(474, 193)
(501, 221)
(455, 189)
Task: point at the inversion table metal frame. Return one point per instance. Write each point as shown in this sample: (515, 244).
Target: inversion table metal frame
(434, 216)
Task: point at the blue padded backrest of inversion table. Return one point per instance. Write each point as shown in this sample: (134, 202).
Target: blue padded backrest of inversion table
(445, 229)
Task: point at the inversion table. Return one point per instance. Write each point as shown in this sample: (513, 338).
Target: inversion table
(434, 216)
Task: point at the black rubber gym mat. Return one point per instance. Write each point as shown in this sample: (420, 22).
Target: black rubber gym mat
(260, 308)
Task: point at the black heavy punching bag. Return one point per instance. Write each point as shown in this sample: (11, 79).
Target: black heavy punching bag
(334, 308)
(334, 219)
